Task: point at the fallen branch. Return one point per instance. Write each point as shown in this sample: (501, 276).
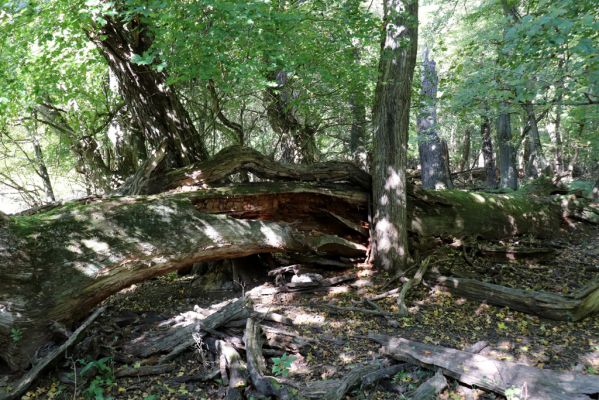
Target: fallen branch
(30, 376)
(336, 389)
(266, 385)
(144, 370)
(490, 374)
(237, 377)
(547, 305)
(361, 310)
(431, 388)
(178, 338)
(415, 281)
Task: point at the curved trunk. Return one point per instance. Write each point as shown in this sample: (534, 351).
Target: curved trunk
(154, 105)
(298, 139)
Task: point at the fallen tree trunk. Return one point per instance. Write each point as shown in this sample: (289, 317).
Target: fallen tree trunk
(58, 264)
(490, 374)
(572, 307)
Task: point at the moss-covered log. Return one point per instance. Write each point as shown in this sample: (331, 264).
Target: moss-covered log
(57, 265)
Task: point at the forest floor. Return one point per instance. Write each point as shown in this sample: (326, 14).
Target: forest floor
(339, 337)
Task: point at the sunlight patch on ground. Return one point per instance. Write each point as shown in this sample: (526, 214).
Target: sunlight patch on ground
(303, 318)
(96, 245)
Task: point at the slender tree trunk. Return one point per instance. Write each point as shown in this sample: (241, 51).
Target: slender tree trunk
(557, 141)
(535, 163)
(357, 140)
(154, 105)
(391, 121)
(41, 169)
(596, 190)
(507, 156)
(464, 162)
(487, 150)
(434, 163)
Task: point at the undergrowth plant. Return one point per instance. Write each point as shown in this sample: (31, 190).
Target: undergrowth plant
(282, 364)
(102, 382)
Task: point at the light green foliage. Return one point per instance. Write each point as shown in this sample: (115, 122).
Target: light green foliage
(102, 382)
(282, 364)
(514, 393)
(16, 335)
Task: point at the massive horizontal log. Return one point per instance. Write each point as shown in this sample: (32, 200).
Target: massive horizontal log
(482, 215)
(57, 265)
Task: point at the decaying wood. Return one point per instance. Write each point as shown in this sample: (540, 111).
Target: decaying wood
(237, 158)
(181, 336)
(431, 388)
(237, 370)
(266, 385)
(336, 389)
(144, 370)
(378, 313)
(286, 340)
(515, 253)
(490, 374)
(415, 281)
(21, 386)
(87, 250)
(572, 307)
(87, 254)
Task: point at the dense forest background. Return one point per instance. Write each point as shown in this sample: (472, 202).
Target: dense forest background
(299, 199)
(89, 89)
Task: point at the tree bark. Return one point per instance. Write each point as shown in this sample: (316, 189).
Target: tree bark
(391, 121)
(357, 105)
(507, 156)
(497, 376)
(487, 150)
(57, 264)
(434, 162)
(535, 162)
(41, 169)
(465, 161)
(155, 105)
(283, 120)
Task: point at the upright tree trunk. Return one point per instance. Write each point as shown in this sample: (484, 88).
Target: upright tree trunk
(557, 140)
(41, 169)
(596, 190)
(535, 162)
(465, 161)
(298, 139)
(357, 140)
(507, 157)
(487, 150)
(434, 163)
(154, 105)
(391, 121)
